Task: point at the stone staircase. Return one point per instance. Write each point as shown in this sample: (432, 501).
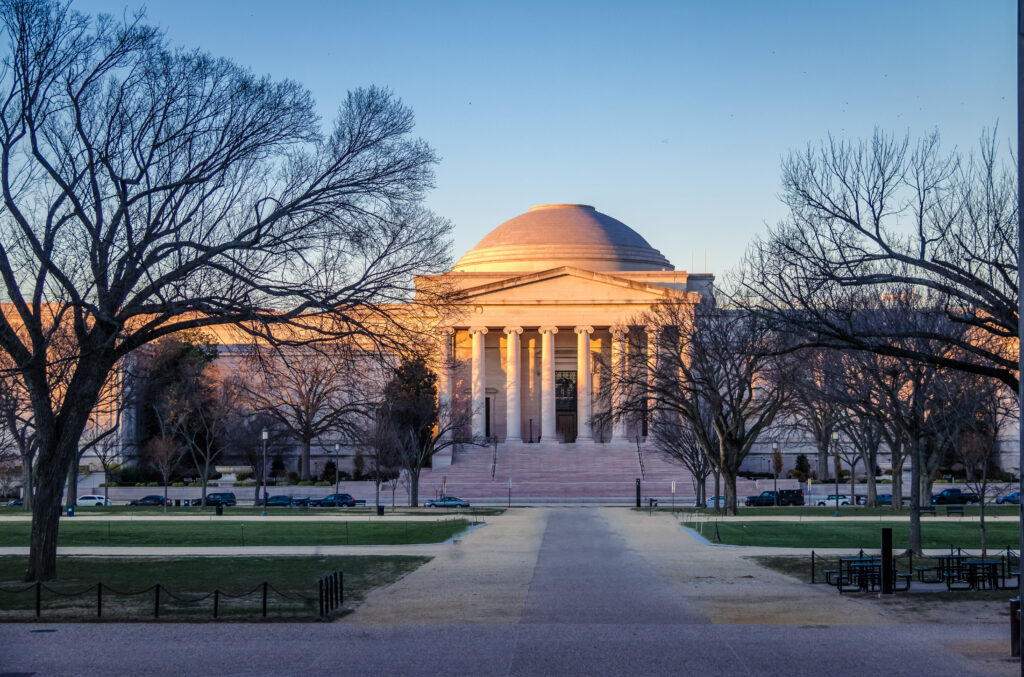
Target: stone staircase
(565, 471)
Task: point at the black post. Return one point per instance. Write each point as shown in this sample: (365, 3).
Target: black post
(887, 563)
(216, 601)
(264, 599)
(156, 602)
(341, 587)
(99, 600)
(321, 582)
(1015, 626)
(812, 567)
(638, 492)
(39, 592)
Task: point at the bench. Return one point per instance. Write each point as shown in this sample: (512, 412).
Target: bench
(927, 509)
(921, 571)
(906, 582)
(829, 573)
(954, 509)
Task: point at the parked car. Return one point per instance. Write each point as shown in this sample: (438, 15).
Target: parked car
(304, 501)
(791, 497)
(217, 498)
(15, 501)
(1012, 498)
(763, 499)
(881, 499)
(954, 497)
(446, 502)
(831, 500)
(280, 501)
(152, 499)
(93, 499)
(338, 501)
(710, 501)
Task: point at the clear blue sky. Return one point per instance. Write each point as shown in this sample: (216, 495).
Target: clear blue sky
(670, 116)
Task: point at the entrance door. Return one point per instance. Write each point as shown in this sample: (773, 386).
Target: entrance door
(565, 405)
(566, 426)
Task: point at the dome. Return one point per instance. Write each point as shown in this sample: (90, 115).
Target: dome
(549, 236)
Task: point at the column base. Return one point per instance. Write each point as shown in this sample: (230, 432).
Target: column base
(513, 440)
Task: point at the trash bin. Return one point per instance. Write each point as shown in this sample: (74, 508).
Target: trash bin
(177, 503)
(71, 511)
(380, 510)
(220, 509)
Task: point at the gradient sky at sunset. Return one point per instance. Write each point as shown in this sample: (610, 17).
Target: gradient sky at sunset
(670, 116)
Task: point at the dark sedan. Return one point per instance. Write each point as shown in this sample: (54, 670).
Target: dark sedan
(277, 501)
(152, 499)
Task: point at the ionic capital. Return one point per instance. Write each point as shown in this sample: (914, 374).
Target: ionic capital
(548, 330)
(512, 330)
(478, 330)
(584, 330)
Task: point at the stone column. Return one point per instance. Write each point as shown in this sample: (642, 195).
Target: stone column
(584, 385)
(619, 380)
(653, 334)
(444, 381)
(513, 406)
(478, 382)
(547, 384)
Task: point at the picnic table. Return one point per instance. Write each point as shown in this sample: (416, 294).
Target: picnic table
(950, 567)
(982, 573)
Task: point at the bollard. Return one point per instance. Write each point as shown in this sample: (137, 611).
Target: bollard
(812, 566)
(1015, 626)
(220, 509)
(216, 601)
(321, 584)
(638, 492)
(888, 570)
(39, 598)
(265, 599)
(156, 601)
(99, 600)
(341, 587)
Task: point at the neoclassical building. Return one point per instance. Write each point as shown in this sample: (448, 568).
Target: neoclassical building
(547, 301)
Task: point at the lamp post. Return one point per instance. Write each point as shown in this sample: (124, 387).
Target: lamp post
(775, 472)
(337, 455)
(835, 450)
(265, 434)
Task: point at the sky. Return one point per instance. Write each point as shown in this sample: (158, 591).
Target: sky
(672, 117)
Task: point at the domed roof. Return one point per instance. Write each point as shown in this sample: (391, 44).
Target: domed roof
(549, 236)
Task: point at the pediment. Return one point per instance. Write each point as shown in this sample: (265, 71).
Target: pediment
(565, 285)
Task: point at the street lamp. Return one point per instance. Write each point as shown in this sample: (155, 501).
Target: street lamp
(835, 450)
(265, 435)
(337, 451)
(775, 471)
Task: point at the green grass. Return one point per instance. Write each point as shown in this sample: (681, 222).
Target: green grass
(856, 535)
(249, 511)
(854, 511)
(191, 578)
(221, 532)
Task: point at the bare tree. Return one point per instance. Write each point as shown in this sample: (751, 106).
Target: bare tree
(312, 391)
(712, 363)
(164, 454)
(677, 441)
(811, 408)
(885, 216)
(147, 190)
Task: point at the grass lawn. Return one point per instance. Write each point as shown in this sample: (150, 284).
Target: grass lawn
(855, 535)
(854, 511)
(186, 583)
(250, 511)
(237, 533)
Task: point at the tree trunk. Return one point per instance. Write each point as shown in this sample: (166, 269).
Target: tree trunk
(897, 484)
(823, 449)
(27, 488)
(915, 499)
(718, 491)
(72, 494)
(304, 460)
(50, 475)
(414, 487)
(165, 494)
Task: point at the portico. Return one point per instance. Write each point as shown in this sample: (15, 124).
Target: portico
(549, 318)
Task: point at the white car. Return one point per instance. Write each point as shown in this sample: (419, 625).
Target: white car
(93, 499)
